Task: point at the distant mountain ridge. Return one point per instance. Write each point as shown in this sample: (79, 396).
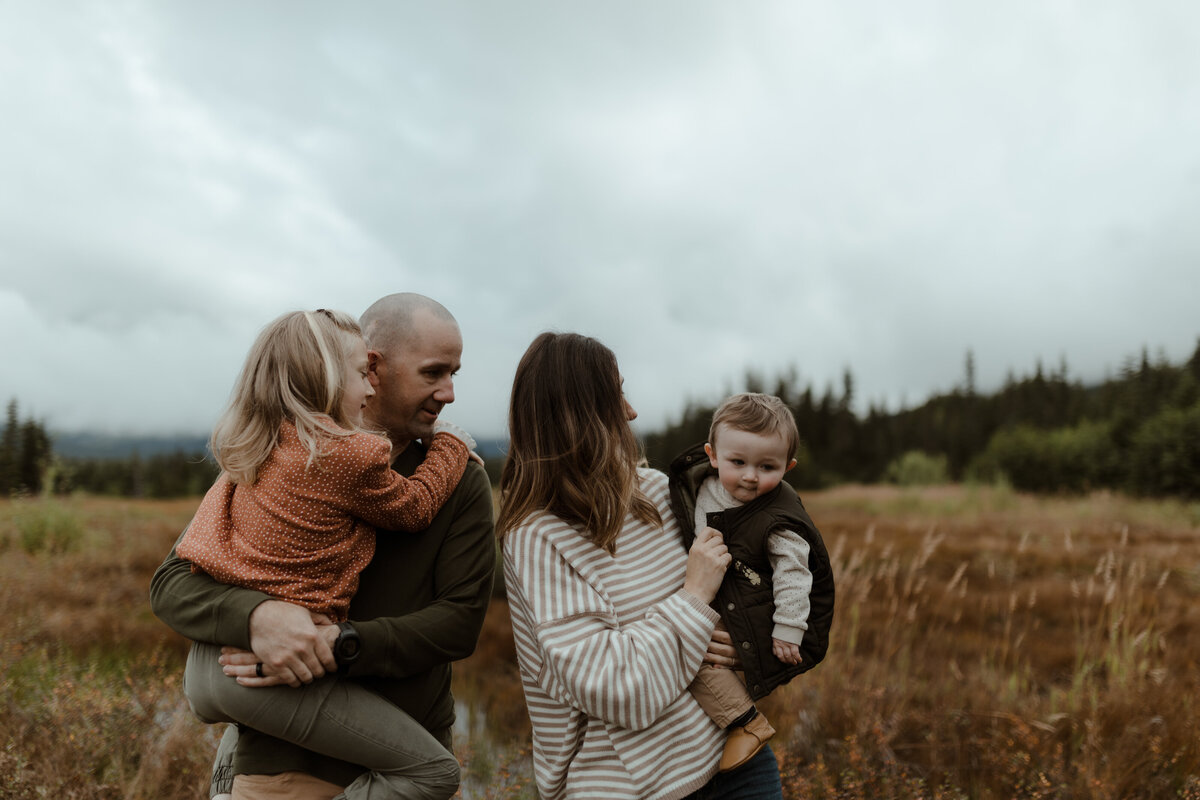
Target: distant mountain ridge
(105, 446)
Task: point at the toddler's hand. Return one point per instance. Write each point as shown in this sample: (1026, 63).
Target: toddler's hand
(786, 652)
(444, 426)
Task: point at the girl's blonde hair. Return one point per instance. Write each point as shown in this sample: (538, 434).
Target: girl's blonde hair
(293, 372)
(571, 450)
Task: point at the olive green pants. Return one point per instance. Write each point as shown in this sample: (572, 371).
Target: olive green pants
(333, 716)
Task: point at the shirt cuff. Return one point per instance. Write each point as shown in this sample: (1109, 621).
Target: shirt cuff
(699, 605)
(786, 633)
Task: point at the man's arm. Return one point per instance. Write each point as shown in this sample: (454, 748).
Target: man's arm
(282, 635)
(446, 629)
(198, 607)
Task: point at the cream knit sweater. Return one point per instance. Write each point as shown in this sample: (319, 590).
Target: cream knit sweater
(607, 645)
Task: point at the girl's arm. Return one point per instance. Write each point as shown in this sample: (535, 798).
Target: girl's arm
(389, 501)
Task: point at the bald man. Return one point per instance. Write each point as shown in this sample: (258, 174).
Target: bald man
(420, 603)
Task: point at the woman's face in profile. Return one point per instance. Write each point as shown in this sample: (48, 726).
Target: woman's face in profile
(630, 413)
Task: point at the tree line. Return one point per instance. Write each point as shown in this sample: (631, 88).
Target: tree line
(1137, 432)
(29, 466)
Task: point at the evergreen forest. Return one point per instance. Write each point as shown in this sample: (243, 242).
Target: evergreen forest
(1137, 432)
(29, 466)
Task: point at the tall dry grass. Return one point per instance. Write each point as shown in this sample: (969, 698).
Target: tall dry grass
(91, 703)
(990, 645)
(986, 645)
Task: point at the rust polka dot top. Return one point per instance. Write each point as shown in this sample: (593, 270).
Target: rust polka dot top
(303, 533)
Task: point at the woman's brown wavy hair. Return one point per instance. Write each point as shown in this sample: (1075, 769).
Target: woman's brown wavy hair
(571, 450)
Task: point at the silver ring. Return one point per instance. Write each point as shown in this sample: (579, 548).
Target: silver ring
(258, 669)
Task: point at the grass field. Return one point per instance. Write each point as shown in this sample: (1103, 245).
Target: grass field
(986, 645)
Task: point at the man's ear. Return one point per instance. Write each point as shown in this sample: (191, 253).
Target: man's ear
(373, 359)
(712, 456)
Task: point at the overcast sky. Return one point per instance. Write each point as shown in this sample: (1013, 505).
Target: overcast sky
(705, 186)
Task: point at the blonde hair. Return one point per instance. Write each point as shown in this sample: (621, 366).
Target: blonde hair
(294, 371)
(757, 413)
(571, 450)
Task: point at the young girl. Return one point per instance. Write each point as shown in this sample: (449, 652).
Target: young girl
(291, 516)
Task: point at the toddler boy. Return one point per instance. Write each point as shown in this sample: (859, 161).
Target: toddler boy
(777, 598)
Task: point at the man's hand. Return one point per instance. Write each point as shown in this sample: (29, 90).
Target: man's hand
(786, 652)
(243, 665)
(290, 644)
(721, 652)
(249, 671)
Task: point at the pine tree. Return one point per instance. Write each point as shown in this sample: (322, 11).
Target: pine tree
(8, 451)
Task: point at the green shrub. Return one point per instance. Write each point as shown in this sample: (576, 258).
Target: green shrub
(1072, 459)
(985, 470)
(1164, 455)
(47, 526)
(917, 468)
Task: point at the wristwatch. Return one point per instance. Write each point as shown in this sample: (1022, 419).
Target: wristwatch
(347, 646)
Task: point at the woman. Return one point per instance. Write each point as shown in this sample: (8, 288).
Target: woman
(610, 614)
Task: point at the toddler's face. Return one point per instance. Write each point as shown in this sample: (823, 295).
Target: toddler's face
(748, 464)
(356, 386)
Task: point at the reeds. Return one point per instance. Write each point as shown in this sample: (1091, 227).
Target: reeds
(986, 644)
(1000, 652)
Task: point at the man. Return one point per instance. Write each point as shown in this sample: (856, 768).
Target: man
(420, 603)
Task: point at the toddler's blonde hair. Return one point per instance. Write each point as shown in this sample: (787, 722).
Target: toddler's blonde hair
(294, 371)
(753, 412)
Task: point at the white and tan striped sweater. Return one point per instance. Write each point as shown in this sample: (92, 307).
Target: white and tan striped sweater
(607, 646)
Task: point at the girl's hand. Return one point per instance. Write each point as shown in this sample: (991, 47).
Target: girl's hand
(706, 564)
(786, 652)
(445, 426)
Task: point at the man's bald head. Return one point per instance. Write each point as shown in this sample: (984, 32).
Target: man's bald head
(414, 350)
(389, 324)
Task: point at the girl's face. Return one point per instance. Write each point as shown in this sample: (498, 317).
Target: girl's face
(356, 388)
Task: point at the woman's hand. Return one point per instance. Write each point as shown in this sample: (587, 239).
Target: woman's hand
(721, 652)
(706, 564)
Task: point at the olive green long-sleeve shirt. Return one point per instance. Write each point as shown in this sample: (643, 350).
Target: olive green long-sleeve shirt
(420, 605)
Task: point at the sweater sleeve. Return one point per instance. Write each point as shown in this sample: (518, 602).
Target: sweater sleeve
(447, 627)
(198, 607)
(389, 501)
(792, 580)
(625, 675)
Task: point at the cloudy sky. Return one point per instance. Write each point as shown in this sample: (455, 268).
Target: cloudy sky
(708, 187)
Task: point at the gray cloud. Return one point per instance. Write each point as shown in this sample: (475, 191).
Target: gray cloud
(707, 189)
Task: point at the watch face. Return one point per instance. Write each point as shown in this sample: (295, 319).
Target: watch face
(347, 645)
(348, 648)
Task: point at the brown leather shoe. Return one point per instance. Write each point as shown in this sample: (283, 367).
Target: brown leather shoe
(745, 741)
